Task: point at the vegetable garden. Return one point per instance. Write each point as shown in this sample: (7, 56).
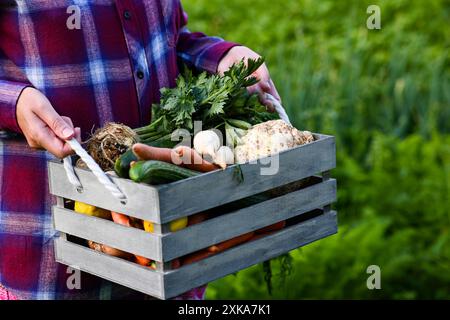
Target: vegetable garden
(384, 94)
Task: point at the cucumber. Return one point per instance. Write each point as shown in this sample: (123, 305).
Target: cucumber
(122, 165)
(158, 172)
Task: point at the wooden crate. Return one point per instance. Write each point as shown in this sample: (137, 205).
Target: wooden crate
(301, 193)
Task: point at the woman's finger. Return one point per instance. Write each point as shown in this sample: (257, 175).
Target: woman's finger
(78, 134)
(274, 91)
(68, 121)
(265, 86)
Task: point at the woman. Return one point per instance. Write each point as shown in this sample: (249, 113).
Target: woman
(60, 78)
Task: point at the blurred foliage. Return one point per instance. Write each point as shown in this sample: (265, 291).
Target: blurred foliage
(385, 95)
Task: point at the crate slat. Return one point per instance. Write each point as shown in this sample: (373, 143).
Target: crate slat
(213, 189)
(110, 268)
(248, 219)
(248, 254)
(107, 232)
(179, 199)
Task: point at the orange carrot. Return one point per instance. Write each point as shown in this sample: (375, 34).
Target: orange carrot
(191, 159)
(202, 254)
(145, 152)
(109, 250)
(176, 263)
(120, 219)
(182, 156)
(262, 235)
(143, 261)
(273, 227)
(116, 252)
(197, 218)
(230, 243)
(196, 256)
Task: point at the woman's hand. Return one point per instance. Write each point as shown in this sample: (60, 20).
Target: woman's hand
(42, 126)
(265, 85)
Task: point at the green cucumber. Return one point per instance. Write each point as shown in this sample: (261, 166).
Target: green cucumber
(122, 165)
(158, 172)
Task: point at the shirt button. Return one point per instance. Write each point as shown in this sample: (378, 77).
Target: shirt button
(127, 15)
(140, 74)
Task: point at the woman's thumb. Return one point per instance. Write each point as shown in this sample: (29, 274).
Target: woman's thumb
(62, 129)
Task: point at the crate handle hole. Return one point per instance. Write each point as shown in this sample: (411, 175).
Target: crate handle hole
(124, 202)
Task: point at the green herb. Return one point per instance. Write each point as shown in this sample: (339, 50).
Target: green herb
(267, 269)
(238, 174)
(285, 262)
(218, 101)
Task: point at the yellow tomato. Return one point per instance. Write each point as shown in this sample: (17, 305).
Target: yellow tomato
(90, 210)
(174, 225)
(178, 224)
(148, 226)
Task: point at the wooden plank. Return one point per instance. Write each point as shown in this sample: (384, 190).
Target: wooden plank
(247, 219)
(110, 268)
(142, 199)
(107, 232)
(212, 189)
(247, 254)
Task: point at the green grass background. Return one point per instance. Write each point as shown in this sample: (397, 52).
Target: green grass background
(385, 95)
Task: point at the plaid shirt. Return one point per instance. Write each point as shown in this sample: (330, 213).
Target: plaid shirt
(111, 69)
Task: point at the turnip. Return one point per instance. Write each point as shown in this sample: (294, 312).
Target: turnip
(109, 143)
(223, 157)
(206, 143)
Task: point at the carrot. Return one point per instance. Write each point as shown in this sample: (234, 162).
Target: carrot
(120, 219)
(203, 254)
(109, 250)
(143, 261)
(273, 227)
(262, 235)
(145, 152)
(182, 156)
(230, 243)
(116, 252)
(196, 256)
(176, 263)
(197, 218)
(191, 159)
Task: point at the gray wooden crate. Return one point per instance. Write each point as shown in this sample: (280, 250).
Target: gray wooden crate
(206, 192)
